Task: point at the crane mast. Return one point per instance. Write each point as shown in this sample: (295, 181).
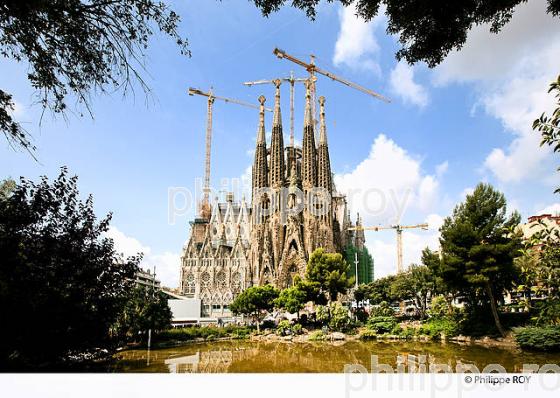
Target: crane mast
(292, 80)
(399, 229)
(204, 209)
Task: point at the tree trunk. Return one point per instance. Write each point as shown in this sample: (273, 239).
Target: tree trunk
(258, 323)
(494, 309)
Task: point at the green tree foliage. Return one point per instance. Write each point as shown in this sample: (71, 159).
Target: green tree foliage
(417, 284)
(427, 30)
(539, 338)
(145, 309)
(329, 270)
(365, 264)
(381, 324)
(58, 274)
(479, 245)
(377, 291)
(539, 267)
(292, 300)
(549, 126)
(439, 307)
(255, 301)
(75, 48)
(312, 291)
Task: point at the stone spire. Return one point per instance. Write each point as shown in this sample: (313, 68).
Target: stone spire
(260, 167)
(309, 152)
(277, 170)
(324, 178)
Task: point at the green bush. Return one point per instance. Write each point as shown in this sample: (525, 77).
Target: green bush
(535, 338)
(340, 320)
(548, 312)
(383, 309)
(436, 326)
(284, 328)
(317, 335)
(297, 329)
(205, 332)
(407, 332)
(381, 324)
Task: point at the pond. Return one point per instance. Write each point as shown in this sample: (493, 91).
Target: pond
(240, 356)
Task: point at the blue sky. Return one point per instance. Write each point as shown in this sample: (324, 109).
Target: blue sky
(447, 129)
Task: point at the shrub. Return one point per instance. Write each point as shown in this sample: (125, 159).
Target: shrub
(383, 309)
(205, 332)
(317, 335)
(435, 327)
(439, 308)
(340, 320)
(545, 338)
(408, 332)
(381, 324)
(548, 312)
(297, 328)
(284, 328)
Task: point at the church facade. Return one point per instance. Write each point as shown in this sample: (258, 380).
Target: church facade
(294, 209)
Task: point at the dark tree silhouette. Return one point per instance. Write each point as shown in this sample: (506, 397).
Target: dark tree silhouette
(62, 284)
(74, 48)
(427, 30)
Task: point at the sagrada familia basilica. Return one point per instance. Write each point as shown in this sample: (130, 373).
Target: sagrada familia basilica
(234, 245)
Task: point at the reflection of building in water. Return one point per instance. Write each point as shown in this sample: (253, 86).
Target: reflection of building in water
(215, 361)
(184, 364)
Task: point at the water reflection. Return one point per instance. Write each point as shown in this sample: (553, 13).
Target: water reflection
(282, 357)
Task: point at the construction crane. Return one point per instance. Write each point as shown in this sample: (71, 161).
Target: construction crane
(205, 204)
(292, 80)
(399, 229)
(312, 69)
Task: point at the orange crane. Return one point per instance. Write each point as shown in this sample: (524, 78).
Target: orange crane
(399, 228)
(205, 204)
(292, 80)
(312, 69)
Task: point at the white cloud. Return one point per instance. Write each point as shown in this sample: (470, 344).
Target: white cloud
(384, 249)
(511, 72)
(403, 85)
(385, 197)
(126, 245)
(356, 45)
(441, 168)
(465, 192)
(389, 180)
(435, 221)
(553, 209)
(167, 263)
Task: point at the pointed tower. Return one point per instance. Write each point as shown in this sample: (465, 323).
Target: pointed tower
(324, 177)
(324, 180)
(260, 167)
(309, 176)
(277, 170)
(309, 152)
(277, 182)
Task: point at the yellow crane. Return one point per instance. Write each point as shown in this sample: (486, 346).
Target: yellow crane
(292, 80)
(312, 69)
(399, 228)
(205, 204)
